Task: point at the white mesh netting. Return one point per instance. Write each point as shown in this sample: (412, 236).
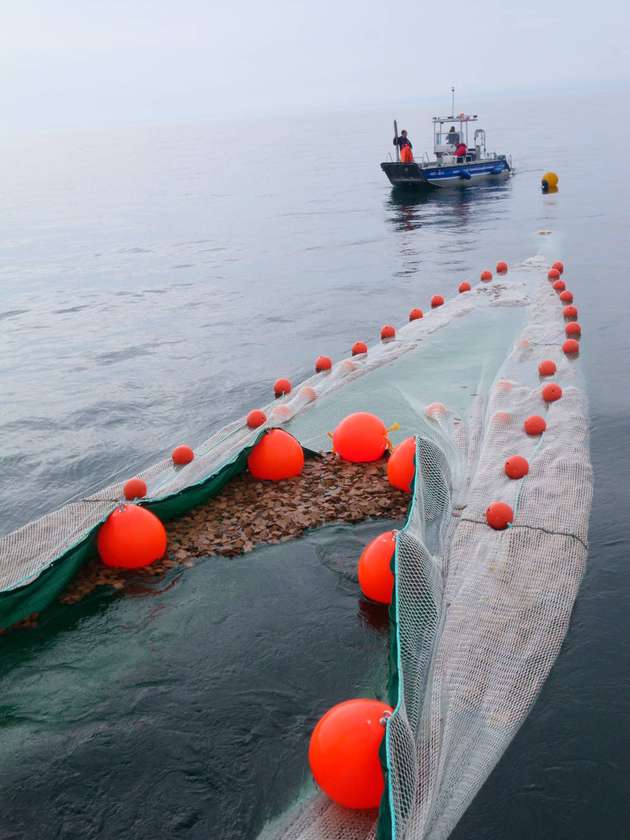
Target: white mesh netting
(481, 614)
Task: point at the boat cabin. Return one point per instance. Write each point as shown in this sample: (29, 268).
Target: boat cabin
(446, 141)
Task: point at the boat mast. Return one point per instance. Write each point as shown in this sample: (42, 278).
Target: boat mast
(452, 101)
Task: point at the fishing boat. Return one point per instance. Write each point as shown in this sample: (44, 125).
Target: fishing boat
(452, 165)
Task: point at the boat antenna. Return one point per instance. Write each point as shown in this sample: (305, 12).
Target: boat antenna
(452, 102)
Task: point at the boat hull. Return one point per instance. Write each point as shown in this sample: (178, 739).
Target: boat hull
(453, 175)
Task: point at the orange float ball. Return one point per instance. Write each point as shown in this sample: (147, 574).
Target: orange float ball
(499, 515)
(534, 425)
(573, 329)
(360, 437)
(135, 488)
(281, 387)
(547, 367)
(502, 267)
(276, 456)
(464, 287)
(131, 537)
(553, 274)
(571, 347)
(415, 314)
(436, 300)
(401, 465)
(375, 573)
(570, 312)
(559, 285)
(502, 418)
(387, 332)
(322, 363)
(344, 753)
(551, 392)
(182, 455)
(256, 418)
(359, 347)
(566, 296)
(516, 467)
(559, 266)
(486, 276)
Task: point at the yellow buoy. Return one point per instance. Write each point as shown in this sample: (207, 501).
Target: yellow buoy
(549, 182)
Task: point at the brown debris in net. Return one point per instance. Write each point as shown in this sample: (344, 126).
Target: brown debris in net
(248, 513)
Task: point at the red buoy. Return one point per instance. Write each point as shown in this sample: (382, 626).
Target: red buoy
(534, 425)
(566, 296)
(256, 418)
(516, 467)
(570, 312)
(559, 266)
(343, 753)
(182, 455)
(464, 287)
(360, 437)
(486, 276)
(571, 347)
(375, 574)
(415, 314)
(322, 363)
(281, 387)
(401, 465)
(276, 456)
(358, 348)
(436, 300)
(387, 332)
(547, 367)
(551, 392)
(131, 537)
(573, 329)
(499, 515)
(502, 267)
(559, 285)
(553, 274)
(135, 488)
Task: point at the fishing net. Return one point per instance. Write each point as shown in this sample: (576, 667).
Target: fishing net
(478, 615)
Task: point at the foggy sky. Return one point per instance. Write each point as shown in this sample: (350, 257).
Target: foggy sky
(83, 62)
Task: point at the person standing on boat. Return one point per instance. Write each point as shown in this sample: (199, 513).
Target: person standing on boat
(460, 152)
(452, 138)
(404, 144)
(402, 140)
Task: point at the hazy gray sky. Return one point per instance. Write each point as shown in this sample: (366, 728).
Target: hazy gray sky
(67, 62)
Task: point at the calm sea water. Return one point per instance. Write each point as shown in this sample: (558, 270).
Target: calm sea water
(155, 281)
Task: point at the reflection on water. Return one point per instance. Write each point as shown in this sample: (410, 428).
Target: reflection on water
(451, 220)
(411, 208)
